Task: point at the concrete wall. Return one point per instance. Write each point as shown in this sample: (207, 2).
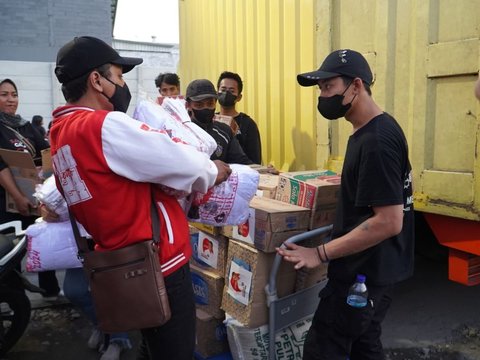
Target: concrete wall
(34, 30)
(40, 93)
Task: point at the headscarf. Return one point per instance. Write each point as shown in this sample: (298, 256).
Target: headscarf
(13, 121)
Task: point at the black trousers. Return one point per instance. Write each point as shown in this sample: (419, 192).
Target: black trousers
(176, 338)
(340, 331)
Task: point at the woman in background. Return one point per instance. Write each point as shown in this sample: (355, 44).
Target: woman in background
(37, 123)
(18, 134)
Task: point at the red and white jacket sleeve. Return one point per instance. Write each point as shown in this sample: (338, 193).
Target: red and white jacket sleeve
(138, 152)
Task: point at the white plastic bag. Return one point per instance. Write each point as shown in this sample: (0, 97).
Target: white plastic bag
(252, 343)
(173, 118)
(48, 194)
(228, 202)
(52, 246)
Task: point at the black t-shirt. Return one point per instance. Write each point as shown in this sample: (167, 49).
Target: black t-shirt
(228, 147)
(10, 141)
(249, 137)
(376, 172)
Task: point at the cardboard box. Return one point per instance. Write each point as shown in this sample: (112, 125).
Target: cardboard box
(267, 185)
(248, 271)
(211, 335)
(209, 252)
(208, 288)
(192, 229)
(310, 189)
(324, 215)
(268, 241)
(25, 174)
(47, 168)
(227, 231)
(209, 229)
(260, 168)
(309, 277)
(270, 223)
(228, 120)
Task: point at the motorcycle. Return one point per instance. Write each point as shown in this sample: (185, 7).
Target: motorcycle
(14, 303)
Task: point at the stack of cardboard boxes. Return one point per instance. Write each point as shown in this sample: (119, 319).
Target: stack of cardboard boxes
(208, 264)
(315, 190)
(231, 264)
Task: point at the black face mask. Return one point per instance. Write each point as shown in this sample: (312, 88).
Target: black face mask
(226, 98)
(120, 98)
(204, 116)
(332, 108)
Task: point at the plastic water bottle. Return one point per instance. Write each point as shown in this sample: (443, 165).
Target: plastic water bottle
(358, 293)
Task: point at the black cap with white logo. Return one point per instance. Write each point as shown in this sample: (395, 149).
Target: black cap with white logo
(344, 62)
(84, 54)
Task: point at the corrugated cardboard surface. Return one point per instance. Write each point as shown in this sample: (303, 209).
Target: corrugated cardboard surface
(260, 168)
(220, 253)
(192, 229)
(269, 194)
(268, 241)
(276, 216)
(310, 189)
(273, 222)
(324, 215)
(211, 335)
(25, 174)
(227, 120)
(209, 229)
(267, 185)
(255, 313)
(227, 231)
(47, 167)
(268, 181)
(309, 277)
(208, 288)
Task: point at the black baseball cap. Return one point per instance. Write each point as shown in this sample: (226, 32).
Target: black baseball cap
(85, 53)
(344, 62)
(200, 89)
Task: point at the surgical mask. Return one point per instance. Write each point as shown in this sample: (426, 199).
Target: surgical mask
(204, 116)
(226, 99)
(120, 98)
(332, 107)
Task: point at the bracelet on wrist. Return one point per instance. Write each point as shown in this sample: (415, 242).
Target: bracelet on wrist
(325, 253)
(319, 255)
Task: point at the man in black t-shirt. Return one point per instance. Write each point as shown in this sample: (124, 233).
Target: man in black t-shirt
(230, 87)
(373, 231)
(201, 99)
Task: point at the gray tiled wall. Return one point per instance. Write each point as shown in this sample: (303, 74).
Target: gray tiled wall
(34, 30)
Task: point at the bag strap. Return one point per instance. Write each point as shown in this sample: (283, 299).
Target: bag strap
(27, 143)
(155, 222)
(82, 243)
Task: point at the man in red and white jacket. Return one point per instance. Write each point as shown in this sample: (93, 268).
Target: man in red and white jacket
(108, 164)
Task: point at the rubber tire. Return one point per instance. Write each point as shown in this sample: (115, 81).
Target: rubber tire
(20, 306)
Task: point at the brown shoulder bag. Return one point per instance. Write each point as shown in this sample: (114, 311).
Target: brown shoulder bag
(127, 284)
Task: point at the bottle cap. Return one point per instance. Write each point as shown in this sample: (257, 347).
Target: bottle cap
(361, 278)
